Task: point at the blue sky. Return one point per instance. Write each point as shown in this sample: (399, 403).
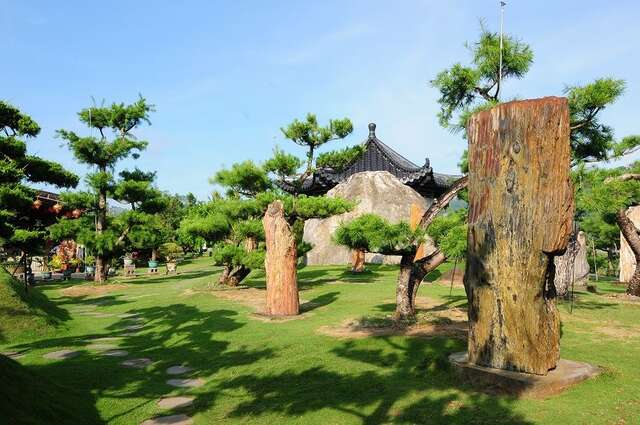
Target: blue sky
(225, 76)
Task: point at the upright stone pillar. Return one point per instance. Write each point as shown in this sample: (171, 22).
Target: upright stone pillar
(520, 218)
(627, 259)
(415, 215)
(280, 263)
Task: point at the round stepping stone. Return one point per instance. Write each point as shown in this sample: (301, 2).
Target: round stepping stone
(178, 370)
(61, 354)
(116, 353)
(15, 354)
(169, 420)
(186, 383)
(133, 327)
(105, 338)
(101, 347)
(175, 402)
(137, 363)
(128, 315)
(101, 315)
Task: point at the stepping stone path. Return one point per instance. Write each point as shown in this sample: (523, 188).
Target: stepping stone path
(178, 370)
(101, 315)
(61, 354)
(105, 338)
(137, 363)
(186, 383)
(169, 420)
(101, 344)
(134, 327)
(15, 354)
(101, 347)
(116, 353)
(175, 402)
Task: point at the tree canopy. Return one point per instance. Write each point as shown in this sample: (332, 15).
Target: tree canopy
(115, 142)
(22, 229)
(308, 133)
(467, 89)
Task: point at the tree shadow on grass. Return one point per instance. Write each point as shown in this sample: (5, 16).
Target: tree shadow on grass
(40, 303)
(145, 279)
(91, 301)
(411, 383)
(319, 301)
(591, 305)
(171, 335)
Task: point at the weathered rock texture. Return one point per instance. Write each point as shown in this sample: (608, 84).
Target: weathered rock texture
(280, 263)
(520, 217)
(572, 266)
(377, 192)
(627, 259)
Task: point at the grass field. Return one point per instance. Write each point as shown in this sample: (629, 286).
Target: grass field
(290, 371)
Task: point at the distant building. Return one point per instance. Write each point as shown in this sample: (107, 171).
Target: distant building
(376, 157)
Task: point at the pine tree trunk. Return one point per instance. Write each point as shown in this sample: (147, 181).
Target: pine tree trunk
(154, 254)
(405, 309)
(250, 244)
(224, 276)
(236, 276)
(357, 260)
(630, 233)
(520, 218)
(409, 279)
(101, 219)
(280, 263)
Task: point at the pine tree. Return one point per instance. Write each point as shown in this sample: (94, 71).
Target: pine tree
(22, 229)
(311, 135)
(115, 142)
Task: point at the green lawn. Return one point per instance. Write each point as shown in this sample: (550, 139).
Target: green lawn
(274, 372)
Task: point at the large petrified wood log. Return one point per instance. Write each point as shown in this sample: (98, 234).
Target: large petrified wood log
(357, 260)
(415, 216)
(280, 263)
(520, 217)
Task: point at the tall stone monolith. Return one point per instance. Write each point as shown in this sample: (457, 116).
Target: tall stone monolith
(280, 263)
(520, 218)
(627, 258)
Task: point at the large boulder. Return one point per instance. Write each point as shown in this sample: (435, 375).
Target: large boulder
(377, 192)
(627, 259)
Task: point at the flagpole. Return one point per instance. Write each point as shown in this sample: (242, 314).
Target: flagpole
(502, 5)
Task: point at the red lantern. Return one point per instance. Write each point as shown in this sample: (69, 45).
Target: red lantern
(57, 208)
(37, 204)
(76, 213)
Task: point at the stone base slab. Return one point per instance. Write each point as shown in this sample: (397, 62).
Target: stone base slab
(520, 384)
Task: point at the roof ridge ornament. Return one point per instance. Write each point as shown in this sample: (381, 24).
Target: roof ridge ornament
(372, 130)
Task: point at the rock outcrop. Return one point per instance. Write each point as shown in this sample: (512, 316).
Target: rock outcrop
(627, 259)
(377, 192)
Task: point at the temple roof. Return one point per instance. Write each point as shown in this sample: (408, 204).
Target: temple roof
(377, 156)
